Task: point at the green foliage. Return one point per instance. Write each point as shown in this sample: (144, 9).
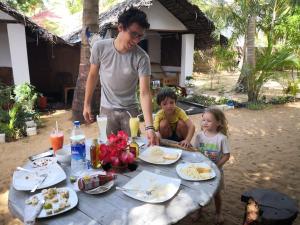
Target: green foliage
(205, 100)
(26, 95)
(74, 6)
(281, 100)
(256, 105)
(16, 106)
(292, 88)
(26, 6)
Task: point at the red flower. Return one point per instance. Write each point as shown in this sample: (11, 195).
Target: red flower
(113, 151)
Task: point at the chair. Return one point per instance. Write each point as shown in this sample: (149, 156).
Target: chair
(66, 84)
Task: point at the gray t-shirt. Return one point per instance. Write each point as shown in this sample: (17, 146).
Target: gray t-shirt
(212, 147)
(119, 73)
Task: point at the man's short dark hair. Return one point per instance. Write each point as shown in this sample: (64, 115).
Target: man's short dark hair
(133, 15)
(165, 92)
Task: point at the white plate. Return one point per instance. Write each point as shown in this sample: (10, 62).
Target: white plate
(204, 176)
(43, 162)
(163, 188)
(73, 200)
(148, 157)
(101, 189)
(24, 181)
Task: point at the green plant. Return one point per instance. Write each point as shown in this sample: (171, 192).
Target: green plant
(256, 105)
(292, 88)
(26, 95)
(5, 96)
(281, 100)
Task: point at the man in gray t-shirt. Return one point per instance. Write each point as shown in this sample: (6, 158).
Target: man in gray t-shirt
(121, 63)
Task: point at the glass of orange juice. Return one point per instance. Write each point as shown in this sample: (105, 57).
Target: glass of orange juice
(134, 125)
(57, 140)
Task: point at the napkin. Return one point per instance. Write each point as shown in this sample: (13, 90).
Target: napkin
(31, 212)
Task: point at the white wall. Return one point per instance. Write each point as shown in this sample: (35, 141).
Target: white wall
(187, 57)
(154, 46)
(18, 49)
(161, 19)
(5, 60)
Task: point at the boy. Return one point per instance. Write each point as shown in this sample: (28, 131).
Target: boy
(171, 122)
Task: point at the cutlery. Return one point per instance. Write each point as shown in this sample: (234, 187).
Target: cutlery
(147, 192)
(44, 176)
(26, 170)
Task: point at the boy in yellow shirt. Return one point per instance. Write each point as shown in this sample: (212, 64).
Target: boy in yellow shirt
(171, 122)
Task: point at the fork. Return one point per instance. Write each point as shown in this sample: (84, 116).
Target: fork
(44, 176)
(147, 192)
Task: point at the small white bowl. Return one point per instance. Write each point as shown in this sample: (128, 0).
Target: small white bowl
(63, 155)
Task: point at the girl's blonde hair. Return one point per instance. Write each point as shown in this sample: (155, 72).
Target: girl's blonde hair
(220, 117)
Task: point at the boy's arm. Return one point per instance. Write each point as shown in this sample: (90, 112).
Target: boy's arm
(191, 130)
(223, 160)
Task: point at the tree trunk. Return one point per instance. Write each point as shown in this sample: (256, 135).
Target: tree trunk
(89, 21)
(242, 84)
(251, 59)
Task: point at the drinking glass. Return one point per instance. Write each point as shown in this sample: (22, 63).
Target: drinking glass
(102, 123)
(134, 124)
(57, 140)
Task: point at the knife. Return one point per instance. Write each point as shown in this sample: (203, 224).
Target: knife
(44, 176)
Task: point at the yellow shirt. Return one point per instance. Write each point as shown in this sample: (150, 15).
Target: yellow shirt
(179, 114)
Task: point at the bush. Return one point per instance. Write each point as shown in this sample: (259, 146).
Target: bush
(256, 105)
(281, 100)
(17, 105)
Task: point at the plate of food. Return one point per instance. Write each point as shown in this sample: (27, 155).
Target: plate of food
(26, 180)
(57, 201)
(160, 155)
(43, 162)
(152, 188)
(195, 171)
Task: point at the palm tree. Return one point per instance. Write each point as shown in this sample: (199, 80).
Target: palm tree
(89, 23)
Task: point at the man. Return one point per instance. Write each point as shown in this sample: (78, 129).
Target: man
(121, 63)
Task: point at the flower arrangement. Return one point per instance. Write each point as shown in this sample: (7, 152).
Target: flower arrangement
(116, 153)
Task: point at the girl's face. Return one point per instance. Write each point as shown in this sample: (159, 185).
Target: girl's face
(209, 122)
(168, 105)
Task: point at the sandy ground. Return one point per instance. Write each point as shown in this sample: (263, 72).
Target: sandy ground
(265, 149)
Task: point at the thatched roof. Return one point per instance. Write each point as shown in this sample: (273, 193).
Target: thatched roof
(190, 15)
(32, 29)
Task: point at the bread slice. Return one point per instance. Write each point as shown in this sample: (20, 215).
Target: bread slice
(203, 170)
(170, 156)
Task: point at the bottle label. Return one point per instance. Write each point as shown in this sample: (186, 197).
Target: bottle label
(78, 151)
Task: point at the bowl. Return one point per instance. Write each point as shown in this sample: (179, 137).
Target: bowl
(63, 155)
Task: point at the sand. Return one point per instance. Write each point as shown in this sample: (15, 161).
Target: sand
(265, 152)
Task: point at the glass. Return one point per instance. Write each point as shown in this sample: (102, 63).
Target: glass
(102, 123)
(134, 125)
(135, 35)
(57, 140)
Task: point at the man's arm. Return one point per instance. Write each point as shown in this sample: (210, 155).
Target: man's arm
(89, 90)
(146, 103)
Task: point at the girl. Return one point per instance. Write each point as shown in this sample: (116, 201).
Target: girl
(212, 141)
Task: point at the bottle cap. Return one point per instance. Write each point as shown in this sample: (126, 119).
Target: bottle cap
(76, 123)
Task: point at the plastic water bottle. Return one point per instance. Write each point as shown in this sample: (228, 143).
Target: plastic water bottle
(78, 151)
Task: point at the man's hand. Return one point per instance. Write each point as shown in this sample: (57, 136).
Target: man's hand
(152, 138)
(87, 114)
(185, 143)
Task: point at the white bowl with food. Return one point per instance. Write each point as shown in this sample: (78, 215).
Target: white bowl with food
(63, 155)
